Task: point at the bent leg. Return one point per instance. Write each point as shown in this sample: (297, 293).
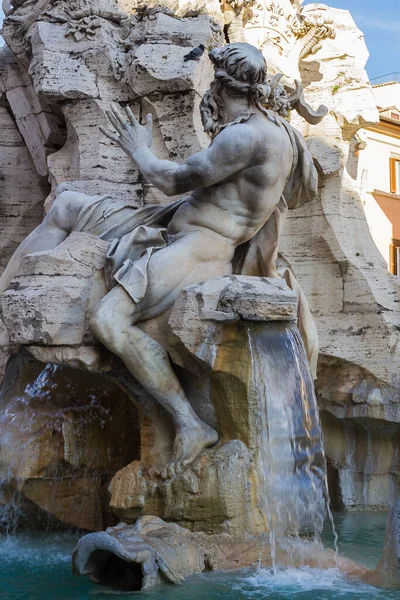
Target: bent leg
(192, 258)
(55, 228)
(149, 363)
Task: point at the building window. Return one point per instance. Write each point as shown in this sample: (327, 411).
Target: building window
(395, 257)
(395, 175)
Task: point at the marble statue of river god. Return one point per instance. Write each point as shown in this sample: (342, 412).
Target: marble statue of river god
(238, 190)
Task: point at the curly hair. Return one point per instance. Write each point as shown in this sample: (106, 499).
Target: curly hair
(241, 70)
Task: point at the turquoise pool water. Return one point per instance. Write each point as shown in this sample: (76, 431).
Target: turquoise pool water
(37, 567)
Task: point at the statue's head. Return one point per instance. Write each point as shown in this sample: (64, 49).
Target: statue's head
(244, 62)
(240, 71)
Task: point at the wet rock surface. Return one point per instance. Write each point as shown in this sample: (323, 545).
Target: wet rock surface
(61, 442)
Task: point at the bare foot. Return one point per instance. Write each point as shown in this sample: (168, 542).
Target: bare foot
(189, 442)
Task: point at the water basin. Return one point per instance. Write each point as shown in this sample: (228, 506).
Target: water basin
(37, 566)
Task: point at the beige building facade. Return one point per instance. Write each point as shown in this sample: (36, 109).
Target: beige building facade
(379, 172)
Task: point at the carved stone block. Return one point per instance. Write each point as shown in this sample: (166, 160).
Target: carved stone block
(49, 300)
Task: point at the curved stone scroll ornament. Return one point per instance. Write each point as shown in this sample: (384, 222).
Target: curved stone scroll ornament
(301, 106)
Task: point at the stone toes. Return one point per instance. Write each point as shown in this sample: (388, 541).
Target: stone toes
(164, 473)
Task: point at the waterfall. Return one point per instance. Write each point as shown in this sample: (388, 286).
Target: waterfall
(19, 414)
(291, 456)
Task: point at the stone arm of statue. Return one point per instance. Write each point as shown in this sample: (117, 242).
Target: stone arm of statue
(229, 153)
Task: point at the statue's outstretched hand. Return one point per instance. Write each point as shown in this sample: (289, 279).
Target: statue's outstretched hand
(131, 135)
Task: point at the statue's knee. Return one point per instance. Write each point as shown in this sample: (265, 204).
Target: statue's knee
(65, 210)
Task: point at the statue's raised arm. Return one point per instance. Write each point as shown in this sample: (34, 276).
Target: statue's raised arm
(230, 152)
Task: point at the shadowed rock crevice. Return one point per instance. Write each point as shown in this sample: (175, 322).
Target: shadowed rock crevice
(116, 572)
(335, 494)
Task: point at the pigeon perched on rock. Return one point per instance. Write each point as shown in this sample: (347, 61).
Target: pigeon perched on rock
(195, 54)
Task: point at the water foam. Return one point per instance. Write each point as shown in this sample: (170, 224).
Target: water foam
(31, 551)
(291, 582)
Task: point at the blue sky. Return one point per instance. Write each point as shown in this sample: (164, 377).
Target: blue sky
(380, 22)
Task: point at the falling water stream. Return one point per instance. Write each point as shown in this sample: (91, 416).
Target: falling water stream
(60, 443)
(291, 455)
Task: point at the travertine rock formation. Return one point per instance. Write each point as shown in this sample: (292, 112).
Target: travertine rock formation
(328, 247)
(354, 300)
(212, 329)
(50, 301)
(211, 325)
(22, 187)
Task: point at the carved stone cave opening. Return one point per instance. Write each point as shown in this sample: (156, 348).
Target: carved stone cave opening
(116, 572)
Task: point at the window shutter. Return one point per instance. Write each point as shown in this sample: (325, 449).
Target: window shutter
(392, 259)
(393, 186)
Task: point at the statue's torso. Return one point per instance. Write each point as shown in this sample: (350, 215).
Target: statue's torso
(238, 207)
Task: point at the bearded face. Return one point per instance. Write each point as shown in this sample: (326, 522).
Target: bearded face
(237, 67)
(212, 111)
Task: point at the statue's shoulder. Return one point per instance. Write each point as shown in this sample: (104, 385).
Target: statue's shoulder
(235, 133)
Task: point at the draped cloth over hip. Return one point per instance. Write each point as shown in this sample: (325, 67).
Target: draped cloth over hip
(134, 235)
